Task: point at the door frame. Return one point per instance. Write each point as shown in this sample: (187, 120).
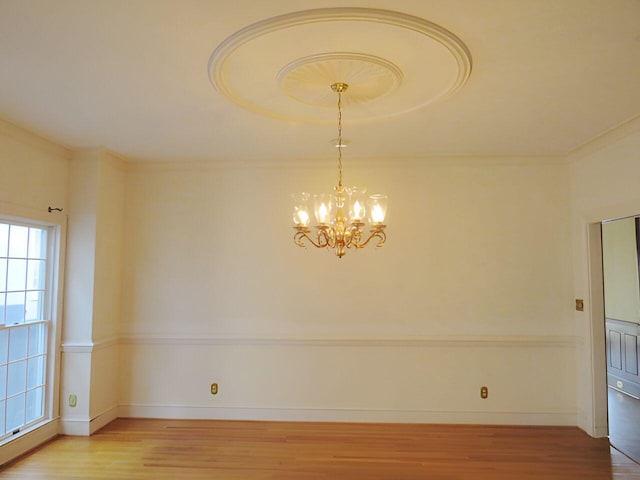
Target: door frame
(587, 244)
(597, 331)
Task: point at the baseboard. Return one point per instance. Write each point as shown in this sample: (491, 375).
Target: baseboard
(104, 419)
(600, 431)
(77, 427)
(347, 415)
(28, 441)
(596, 431)
(84, 427)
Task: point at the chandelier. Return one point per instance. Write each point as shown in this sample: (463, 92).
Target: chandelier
(340, 215)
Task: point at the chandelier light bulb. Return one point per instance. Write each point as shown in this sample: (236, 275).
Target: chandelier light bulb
(377, 216)
(323, 214)
(357, 212)
(303, 218)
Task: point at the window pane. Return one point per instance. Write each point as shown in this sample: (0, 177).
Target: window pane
(15, 308)
(3, 382)
(35, 274)
(17, 277)
(17, 343)
(18, 241)
(24, 297)
(4, 239)
(2, 412)
(3, 301)
(16, 378)
(4, 346)
(15, 412)
(34, 306)
(35, 404)
(35, 372)
(37, 337)
(3, 275)
(37, 243)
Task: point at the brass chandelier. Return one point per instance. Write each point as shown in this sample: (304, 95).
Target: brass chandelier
(340, 215)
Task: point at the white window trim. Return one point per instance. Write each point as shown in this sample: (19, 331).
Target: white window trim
(57, 223)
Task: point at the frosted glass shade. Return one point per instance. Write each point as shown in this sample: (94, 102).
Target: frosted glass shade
(377, 209)
(323, 208)
(357, 204)
(301, 216)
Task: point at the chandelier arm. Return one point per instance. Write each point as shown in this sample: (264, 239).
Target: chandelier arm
(377, 233)
(300, 236)
(324, 239)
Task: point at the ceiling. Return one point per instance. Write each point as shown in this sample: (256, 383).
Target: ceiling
(526, 78)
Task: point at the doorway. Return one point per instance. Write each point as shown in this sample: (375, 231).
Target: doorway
(621, 282)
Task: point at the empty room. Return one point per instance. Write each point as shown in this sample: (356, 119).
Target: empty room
(307, 239)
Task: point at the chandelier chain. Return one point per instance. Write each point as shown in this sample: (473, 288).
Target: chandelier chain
(339, 138)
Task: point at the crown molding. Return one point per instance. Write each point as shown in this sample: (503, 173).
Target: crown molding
(324, 163)
(33, 139)
(605, 139)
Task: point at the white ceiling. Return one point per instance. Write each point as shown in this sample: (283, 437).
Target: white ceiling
(132, 75)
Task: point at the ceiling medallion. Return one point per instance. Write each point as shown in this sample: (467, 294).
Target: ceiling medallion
(279, 67)
(306, 79)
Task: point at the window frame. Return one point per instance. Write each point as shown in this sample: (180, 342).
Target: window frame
(56, 225)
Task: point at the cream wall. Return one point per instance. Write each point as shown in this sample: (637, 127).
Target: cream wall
(91, 356)
(89, 186)
(33, 171)
(473, 288)
(604, 185)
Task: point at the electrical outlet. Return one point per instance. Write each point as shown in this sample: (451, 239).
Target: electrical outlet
(214, 389)
(73, 400)
(484, 392)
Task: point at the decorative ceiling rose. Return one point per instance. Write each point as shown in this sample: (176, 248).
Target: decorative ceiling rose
(266, 67)
(371, 77)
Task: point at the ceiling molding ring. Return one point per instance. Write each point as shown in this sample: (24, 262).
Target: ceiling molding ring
(261, 95)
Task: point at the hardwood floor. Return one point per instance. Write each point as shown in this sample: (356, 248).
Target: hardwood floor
(624, 416)
(171, 449)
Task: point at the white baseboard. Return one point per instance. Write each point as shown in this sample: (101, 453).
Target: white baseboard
(347, 415)
(85, 427)
(600, 431)
(75, 426)
(28, 441)
(103, 419)
(596, 431)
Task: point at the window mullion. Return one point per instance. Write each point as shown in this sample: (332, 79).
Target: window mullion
(6, 282)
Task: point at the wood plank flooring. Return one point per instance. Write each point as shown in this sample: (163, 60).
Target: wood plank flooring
(232, 450)
(624, 415)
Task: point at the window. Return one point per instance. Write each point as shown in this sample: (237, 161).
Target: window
(26, 316)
